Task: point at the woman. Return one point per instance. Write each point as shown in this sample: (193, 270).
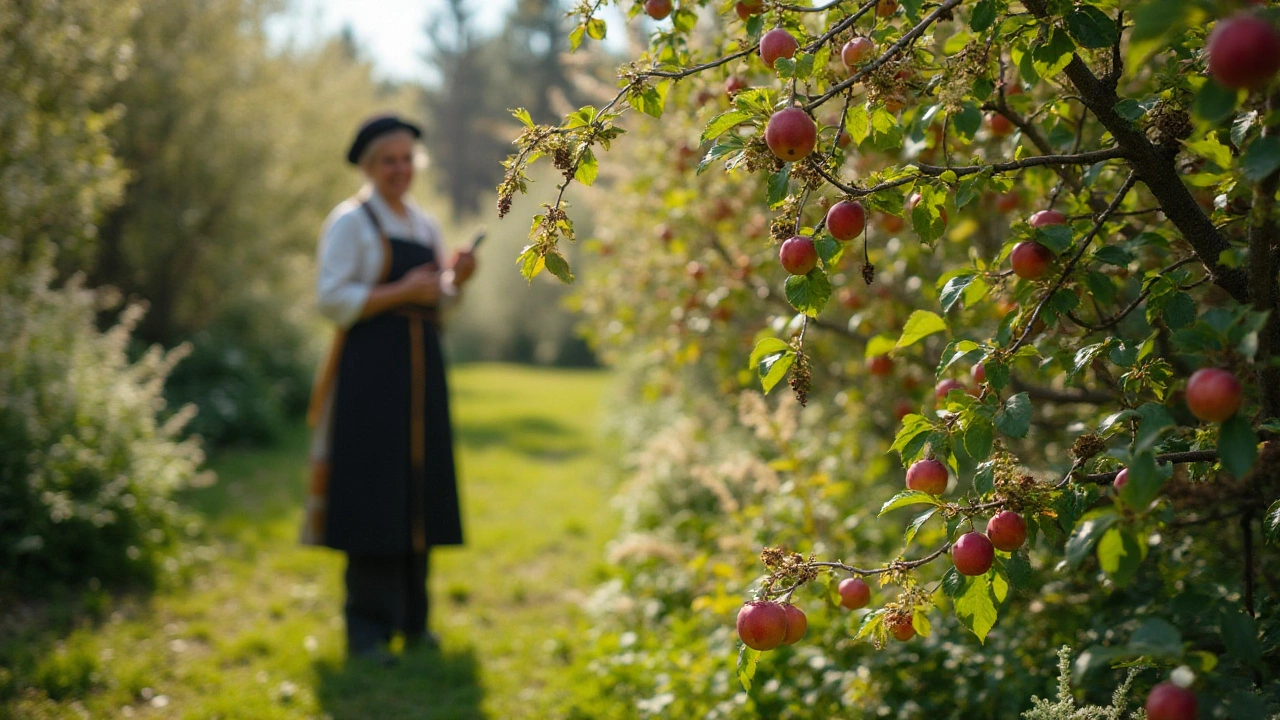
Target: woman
(382, 485)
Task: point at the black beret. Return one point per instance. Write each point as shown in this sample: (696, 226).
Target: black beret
(372, 128)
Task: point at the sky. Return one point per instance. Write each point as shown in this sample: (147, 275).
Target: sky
(390, 31)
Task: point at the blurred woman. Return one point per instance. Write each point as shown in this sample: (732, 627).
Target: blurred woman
(383, 487)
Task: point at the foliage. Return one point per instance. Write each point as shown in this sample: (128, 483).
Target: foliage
(1065, 706)
(57, 169)
(1162, 266)
(89, 460)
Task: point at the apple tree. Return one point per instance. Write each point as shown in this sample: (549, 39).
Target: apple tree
(1030, 247)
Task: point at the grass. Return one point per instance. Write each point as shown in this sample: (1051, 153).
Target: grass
(257, 631)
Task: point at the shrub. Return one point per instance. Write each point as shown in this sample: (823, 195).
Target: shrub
(89, 459)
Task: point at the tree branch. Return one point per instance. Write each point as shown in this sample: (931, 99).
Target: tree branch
(1177, 458)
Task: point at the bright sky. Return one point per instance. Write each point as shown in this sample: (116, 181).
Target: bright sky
(390, 31)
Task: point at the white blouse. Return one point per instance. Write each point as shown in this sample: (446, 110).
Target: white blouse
(351, 253)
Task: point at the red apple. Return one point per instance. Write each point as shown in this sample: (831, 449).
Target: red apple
(1044, 218)
(1122, 478)
(1007, 530)
(944, 388)
(1171, 702)
(1030, 259)
(855, 51)
(979, 373)
(843, 138)
(849, 300)
(657, 9)
(762, 625)
(735, 84)
(798, 255)
(797, 623)
(1213, 394)
(1008, 202)
(899, 625)
(854, 593)
(891, 223)
(885, 8)
(880, 365)
(846, 219)
(791, 134)
(777, 43)
(902, 409)
(1244, 52)
(747, 8)
(999, 125)
(927, 476)
(973, 554)
(895, 102)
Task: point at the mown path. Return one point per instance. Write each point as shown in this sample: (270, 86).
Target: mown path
(257, 633)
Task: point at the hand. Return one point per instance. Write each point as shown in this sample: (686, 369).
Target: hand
(464, 266)
(421, 285)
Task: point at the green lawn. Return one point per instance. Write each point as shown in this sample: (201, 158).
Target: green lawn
(257, 633)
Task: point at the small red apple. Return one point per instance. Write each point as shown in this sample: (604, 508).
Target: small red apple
(895, 102)
(849, 300)
(1171, 702)
(846, 219)
(973, 554)
(1007, 530)
(791, 134)
(777, 43)
(762, 625)
(979, 373)
(747, 8)
(657, 9)
(1213, 394)
(927, 476)
(854, 593)
(843, 139)
(880, 365)
(856, 50)
(899, 625)
(885, 8)
(1030, 259)
(891, 223)
(1244, 52)
(798, 255)
(1007, 202)
(1122, 478)
(902, 409)
(944, 388)
(999, 125)
(797, 623)
(1044, 218)
(735, 84)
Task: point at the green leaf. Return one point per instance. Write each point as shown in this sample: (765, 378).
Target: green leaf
(1014, 416)
(857, 123)
(724, 122)
(1087, 534)
(916, 524)
(1052, 57)
(1240, 636)
(1261, 158)
(767, 346)
(748, 659)
(954, 289)
(1237, 445)
(651, 100)
(1120, 552)
(920, 325)
(871, 624)
(778, 185)
(1155, 421)
(1155, 638)
(953, 583)
(597, 29)
(575, 37)
(985, 13)
(523, 116)
(773, 368)
(530, 262)
(1091, 27)
(588, 169)
(984, 480)
(909, 497)
(809, 293)
(978, 438)
(1018, 568)
(1055, 237)
(1144, 481)
(977, 607)
(1215, 103)
(1271, 524)
(558, 266)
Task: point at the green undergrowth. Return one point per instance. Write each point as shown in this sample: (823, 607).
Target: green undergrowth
(256, 630)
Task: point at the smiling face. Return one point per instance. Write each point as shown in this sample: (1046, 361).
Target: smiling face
(389, 164)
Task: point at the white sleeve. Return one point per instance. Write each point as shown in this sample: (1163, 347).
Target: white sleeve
(448, 290)
(339, 289)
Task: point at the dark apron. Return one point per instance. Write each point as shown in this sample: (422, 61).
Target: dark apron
(392, 488)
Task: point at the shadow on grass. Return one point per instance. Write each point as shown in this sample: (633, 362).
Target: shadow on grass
(533, 435)
(424, 685)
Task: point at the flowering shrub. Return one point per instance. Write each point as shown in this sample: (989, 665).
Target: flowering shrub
(89, 458)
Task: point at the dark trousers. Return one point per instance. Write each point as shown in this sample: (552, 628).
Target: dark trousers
(385, 594)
